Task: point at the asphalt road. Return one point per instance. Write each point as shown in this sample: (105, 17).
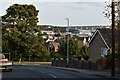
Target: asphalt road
(25, 72)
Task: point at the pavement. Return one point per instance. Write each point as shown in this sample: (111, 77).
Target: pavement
(100, 73)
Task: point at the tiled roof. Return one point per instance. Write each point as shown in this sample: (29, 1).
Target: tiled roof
(81, 36)
(107, 35)
(55, 44)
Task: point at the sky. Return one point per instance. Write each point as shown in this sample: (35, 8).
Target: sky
(54, 12)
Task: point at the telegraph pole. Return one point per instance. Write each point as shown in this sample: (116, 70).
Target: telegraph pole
(113, 39)
(67, 41)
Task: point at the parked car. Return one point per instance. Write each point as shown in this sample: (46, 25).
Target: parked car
(5, 64)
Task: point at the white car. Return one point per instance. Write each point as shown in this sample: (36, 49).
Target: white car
(5, 64)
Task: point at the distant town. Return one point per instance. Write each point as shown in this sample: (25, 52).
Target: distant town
(52, 34)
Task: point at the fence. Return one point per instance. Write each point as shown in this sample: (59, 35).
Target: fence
(81, 64)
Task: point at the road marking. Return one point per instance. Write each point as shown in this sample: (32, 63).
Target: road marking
(52, 75)
(44, 73)
(41, 72)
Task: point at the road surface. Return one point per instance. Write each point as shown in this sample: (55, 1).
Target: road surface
(35, 72)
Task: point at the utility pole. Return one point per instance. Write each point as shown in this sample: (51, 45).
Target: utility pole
(67, 41)
(113, 40)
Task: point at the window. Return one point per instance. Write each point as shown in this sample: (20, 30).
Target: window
(104, 51)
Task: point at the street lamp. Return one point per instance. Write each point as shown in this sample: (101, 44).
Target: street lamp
(67, 30)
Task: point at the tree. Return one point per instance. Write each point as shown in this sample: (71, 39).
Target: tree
(54, 54)
(117, 20)
(20, 34)
(74, 48)
(108, 10)
(63, 48)
(84, 52)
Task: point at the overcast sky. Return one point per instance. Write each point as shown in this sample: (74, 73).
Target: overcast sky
(54, 12)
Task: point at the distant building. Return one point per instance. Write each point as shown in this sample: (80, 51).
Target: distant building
(83, 39)
(87, 32)
(53, 46)
(47, 32)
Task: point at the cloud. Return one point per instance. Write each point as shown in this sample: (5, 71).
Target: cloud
(82, 5)
(53, 0)
(72, 6)
(96, 4)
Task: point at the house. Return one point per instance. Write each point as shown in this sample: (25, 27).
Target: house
(82, 38)
(53, 46)
(100, 43)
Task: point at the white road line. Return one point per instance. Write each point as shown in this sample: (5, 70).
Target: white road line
(52, 75)
(42, 72)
